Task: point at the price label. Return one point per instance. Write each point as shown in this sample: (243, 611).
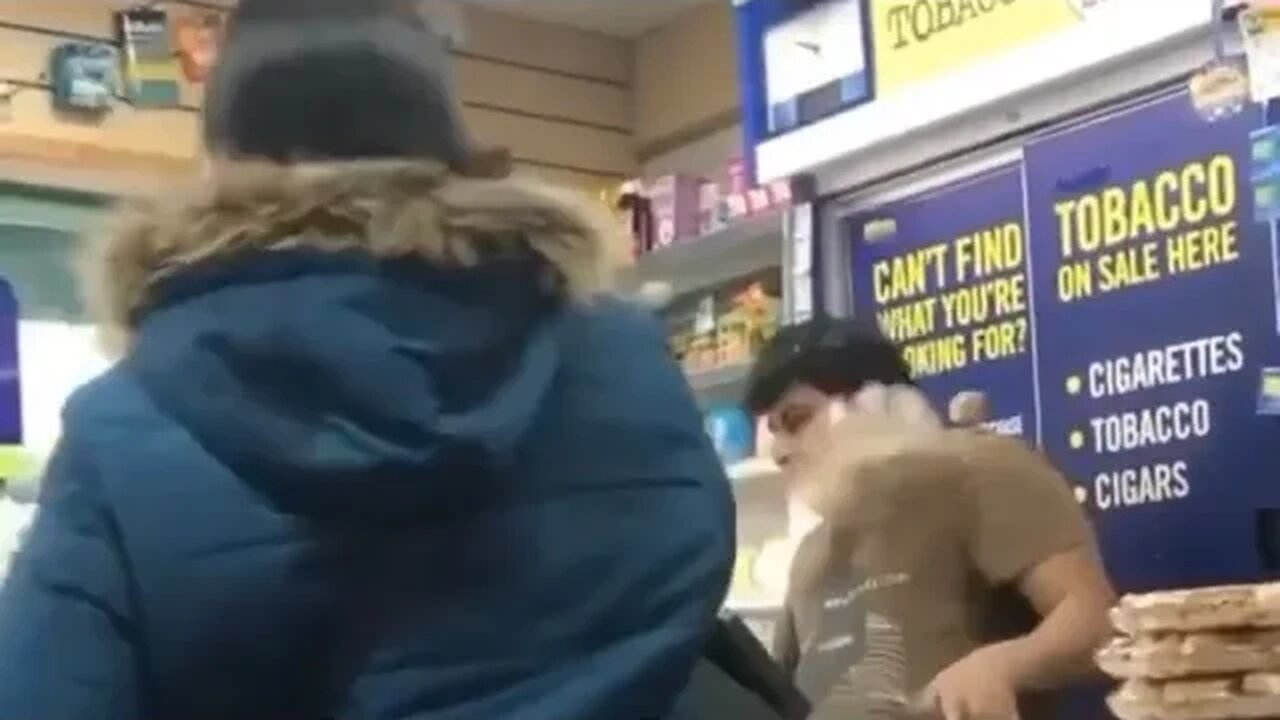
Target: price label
(1269, 396)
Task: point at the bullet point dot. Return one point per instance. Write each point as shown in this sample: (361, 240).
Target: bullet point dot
(1082, 494)
(1077, 440)
(1074, 385)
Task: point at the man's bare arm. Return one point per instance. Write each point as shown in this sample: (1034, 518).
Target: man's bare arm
(1071, 593)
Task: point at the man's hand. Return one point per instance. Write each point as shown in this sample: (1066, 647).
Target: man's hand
(858, 454)
(898, 411)
(979, 687)
(878, 421)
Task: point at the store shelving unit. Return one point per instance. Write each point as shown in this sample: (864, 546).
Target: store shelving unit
(740, 248)
(752, 243)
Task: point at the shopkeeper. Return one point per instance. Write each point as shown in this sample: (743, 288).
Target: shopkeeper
(953, 574)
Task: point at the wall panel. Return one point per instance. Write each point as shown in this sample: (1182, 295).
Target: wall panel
(548, 48)
(686, 81)
(560, 99)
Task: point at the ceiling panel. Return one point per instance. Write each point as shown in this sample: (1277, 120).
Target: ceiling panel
(625, 18)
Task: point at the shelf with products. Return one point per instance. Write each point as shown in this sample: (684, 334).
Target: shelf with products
(691, 232)
(716, 332)
(739, 247)
(709, 255)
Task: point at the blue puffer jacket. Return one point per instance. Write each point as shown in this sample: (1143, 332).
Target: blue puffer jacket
(375, 450)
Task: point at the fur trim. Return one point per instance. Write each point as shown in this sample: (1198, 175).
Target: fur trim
(388, 209)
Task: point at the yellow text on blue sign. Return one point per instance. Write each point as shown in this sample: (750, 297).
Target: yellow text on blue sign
(1174, 222)
(917, 40)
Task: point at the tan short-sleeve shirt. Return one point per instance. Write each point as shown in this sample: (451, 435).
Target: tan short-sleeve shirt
(880, 605)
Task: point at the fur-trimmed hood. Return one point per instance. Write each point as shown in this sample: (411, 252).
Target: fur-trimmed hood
(388, 209)
(325, 330)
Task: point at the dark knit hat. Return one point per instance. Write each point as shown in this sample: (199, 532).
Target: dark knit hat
(326, 80)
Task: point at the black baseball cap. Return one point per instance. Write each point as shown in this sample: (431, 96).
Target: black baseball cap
(835, 355)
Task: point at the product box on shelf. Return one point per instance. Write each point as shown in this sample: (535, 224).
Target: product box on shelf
(736, 207)
(735, 190)
(781, 193)
(632, 205)
(726, 325)
(759, 200)
(674, 201)
(738, 181)
(681, 208)
(712, 216)
(740, 199)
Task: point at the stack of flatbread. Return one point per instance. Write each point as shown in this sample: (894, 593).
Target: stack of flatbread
(1206, 654)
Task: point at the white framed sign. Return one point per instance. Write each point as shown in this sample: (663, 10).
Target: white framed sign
(814, 64)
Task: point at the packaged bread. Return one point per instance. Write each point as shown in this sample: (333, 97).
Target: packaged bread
(1191, 655)
(1249, 697)
(1215, 608)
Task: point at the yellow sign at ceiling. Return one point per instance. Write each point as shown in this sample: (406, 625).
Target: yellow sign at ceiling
(917, 40)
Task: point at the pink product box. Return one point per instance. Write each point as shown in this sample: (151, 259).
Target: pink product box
(674, 203)
(738, 183)
(712, 213)
(780, 194)
(741, 199)
(759, 200)
(765, 198)
(736, 207)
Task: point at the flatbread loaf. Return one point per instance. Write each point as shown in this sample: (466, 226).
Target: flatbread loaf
(1250, 697)
(1216, 608)
(1191, 655)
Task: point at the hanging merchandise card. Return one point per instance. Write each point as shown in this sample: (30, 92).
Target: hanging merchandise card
(151, 69)
(1264, 172)
(1260, 29)
(946, 275)
(1155, 310)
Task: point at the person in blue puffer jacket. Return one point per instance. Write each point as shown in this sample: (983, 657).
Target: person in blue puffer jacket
(380, 444)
